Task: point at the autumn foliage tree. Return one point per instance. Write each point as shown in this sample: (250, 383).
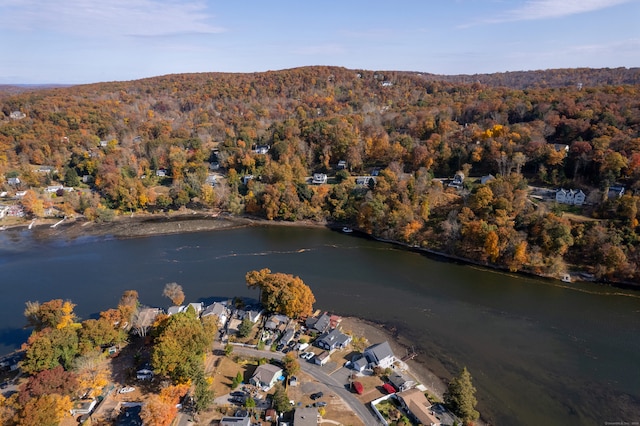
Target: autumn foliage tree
(174, 292)
(282, 293)
(179, 348)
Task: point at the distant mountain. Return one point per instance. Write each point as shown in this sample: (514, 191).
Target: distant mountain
(19, 88)
(552, 78)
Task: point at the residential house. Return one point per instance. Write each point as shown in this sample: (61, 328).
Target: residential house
(210, 180)
(246, 179)
(401, 381)
(197, 306)
(418, 406)
(333, 340)
(319, 324)
(218, 309)
(54, 188)
(306, 416)
(486, 179)
(342, 164)
(3, 211)
(561, 147)
(276, 322)
(87, 178)
(615, 191)
(287, 336)
(83, 406)
(233, 325)
(265, 376)
(378, 355)
(365, 180)
(570, 196)
(176, 310)
(13, 181)
(579, 198)
(45, 169)
(161, 172)
(254, 315)
(319, 178)
(104, 143)
(262, 149)
(322, 358)
(144, 374)
(457, 180)
(17, 115)
(235, 421)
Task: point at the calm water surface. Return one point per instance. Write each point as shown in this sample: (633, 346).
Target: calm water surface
(539, 352)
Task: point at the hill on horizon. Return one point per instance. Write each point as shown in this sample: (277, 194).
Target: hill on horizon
(548, 78)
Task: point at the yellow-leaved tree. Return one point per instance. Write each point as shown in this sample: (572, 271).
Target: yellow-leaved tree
(282, 293)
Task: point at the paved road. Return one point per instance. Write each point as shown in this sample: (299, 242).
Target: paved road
(334, 381)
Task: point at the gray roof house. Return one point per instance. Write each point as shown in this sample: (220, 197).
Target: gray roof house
(305, 416)
(219, 310)
(175, 310)
(287, 336)
(265, 376)
(235, 421)
(378, 355)
(401, 381)
(320, 324)
(335, 339)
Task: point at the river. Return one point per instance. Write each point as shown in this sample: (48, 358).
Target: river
(540, 352)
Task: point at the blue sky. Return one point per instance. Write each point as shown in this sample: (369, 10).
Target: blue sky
(86, 41)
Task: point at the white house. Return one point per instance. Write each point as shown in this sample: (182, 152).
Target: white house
(570, 196)
(262, 149)
(176, 310)
(378, 355)
(197, 306)
(319, 178)
(13, 181)
(54, 188)
(265, 376)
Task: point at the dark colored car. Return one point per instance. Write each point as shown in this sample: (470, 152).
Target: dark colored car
(237, 393)
(320, 404)
(317, 395)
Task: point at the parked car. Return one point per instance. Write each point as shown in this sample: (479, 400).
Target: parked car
(307, 355)
(320, 404)
(316, 395)
(127, 389)
(237, 393)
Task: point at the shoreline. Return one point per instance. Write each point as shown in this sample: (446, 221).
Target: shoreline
(145, 224)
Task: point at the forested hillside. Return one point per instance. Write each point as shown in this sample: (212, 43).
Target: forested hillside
(156, 144)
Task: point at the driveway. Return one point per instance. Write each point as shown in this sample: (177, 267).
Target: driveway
(335, 379)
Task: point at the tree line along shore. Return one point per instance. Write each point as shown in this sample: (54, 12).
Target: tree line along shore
(534, 172)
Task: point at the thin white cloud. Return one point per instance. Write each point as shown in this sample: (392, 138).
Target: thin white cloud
(99, 18)
(549, 9)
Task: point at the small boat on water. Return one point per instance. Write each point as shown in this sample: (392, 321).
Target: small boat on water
(347, 230)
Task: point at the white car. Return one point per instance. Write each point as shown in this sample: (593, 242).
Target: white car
(127, 389)
(307, 355)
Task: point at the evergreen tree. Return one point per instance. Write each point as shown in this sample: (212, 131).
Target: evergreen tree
(460, 397)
